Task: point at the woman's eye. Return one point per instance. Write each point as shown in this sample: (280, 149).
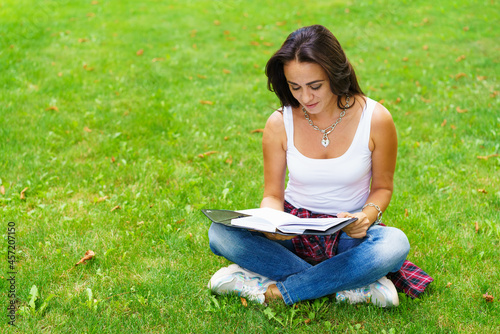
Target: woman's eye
(315, 87)
(295, 88)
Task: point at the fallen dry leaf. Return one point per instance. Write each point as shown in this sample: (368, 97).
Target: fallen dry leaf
(406, 212)
(217, 22)
(90, 14)
(397, 100)
(2, 190)
(226, 71)
(461, 111)
(444, 123)
(462, 57)
(255, 43)
(486, 157)
(202, 155)
(88, 255)
(482, 191)
(201, 76)
(193, 33)
(244, 302)
(102, 199)
(86, 129)
(460, 75)
(140, 52)
(87, 68)
(257, 131)
(95, 2)
(488, 297)
(481, 77)
(52, 108)
(82, 40)
(476, 226)
(23, 196)
(466, 28)
(154, 60)
(207, 102)
(425, 47)
(381, 101)
(280, 23)
(115, 208)
(449, 284)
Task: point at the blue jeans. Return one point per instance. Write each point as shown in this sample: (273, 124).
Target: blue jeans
(358, 262)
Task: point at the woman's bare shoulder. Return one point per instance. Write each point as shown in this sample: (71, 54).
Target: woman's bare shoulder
(381, 114)
(275, 121)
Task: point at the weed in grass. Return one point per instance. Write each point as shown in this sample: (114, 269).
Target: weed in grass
(35, 305)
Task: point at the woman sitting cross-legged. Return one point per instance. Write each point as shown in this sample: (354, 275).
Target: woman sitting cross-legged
(339, 147)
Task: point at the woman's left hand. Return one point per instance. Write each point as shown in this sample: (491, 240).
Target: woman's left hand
(358, 228)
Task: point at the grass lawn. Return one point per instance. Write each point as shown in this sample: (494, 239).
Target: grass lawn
(120, 120)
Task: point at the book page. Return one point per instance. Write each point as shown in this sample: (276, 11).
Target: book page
(316, 224)
(272, 216)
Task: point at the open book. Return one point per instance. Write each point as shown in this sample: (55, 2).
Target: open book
(275, 221)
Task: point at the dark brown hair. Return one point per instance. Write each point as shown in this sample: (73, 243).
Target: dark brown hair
(313, 44)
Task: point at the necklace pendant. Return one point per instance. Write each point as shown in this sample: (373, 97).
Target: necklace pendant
(325, 141)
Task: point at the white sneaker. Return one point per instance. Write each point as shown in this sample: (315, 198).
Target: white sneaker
(266, 282)
(244, 283)
(381, 293)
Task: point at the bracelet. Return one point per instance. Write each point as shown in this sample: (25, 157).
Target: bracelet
(379, 215)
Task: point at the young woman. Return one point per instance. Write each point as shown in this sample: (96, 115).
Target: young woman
(340, 149)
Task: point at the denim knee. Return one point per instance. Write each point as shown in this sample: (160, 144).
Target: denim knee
(401, 242)
(214, 237)
(396, 247)
(390, 246)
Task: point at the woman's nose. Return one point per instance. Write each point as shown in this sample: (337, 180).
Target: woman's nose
(307, 96)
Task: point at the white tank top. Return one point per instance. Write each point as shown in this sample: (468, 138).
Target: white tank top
(335, 185)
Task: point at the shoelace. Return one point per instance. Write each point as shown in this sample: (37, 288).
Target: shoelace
(247, 289)
(260, 280)
(354, 296)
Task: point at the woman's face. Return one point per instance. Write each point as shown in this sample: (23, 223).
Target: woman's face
(309, 84)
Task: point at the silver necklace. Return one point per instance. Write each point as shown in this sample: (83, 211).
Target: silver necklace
(325, 141)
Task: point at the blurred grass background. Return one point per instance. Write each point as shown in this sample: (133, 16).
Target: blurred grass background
(155, 107)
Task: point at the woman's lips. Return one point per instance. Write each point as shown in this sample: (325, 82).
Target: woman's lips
(311, 106)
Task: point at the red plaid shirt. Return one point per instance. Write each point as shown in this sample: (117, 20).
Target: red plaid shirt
(314, 249)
